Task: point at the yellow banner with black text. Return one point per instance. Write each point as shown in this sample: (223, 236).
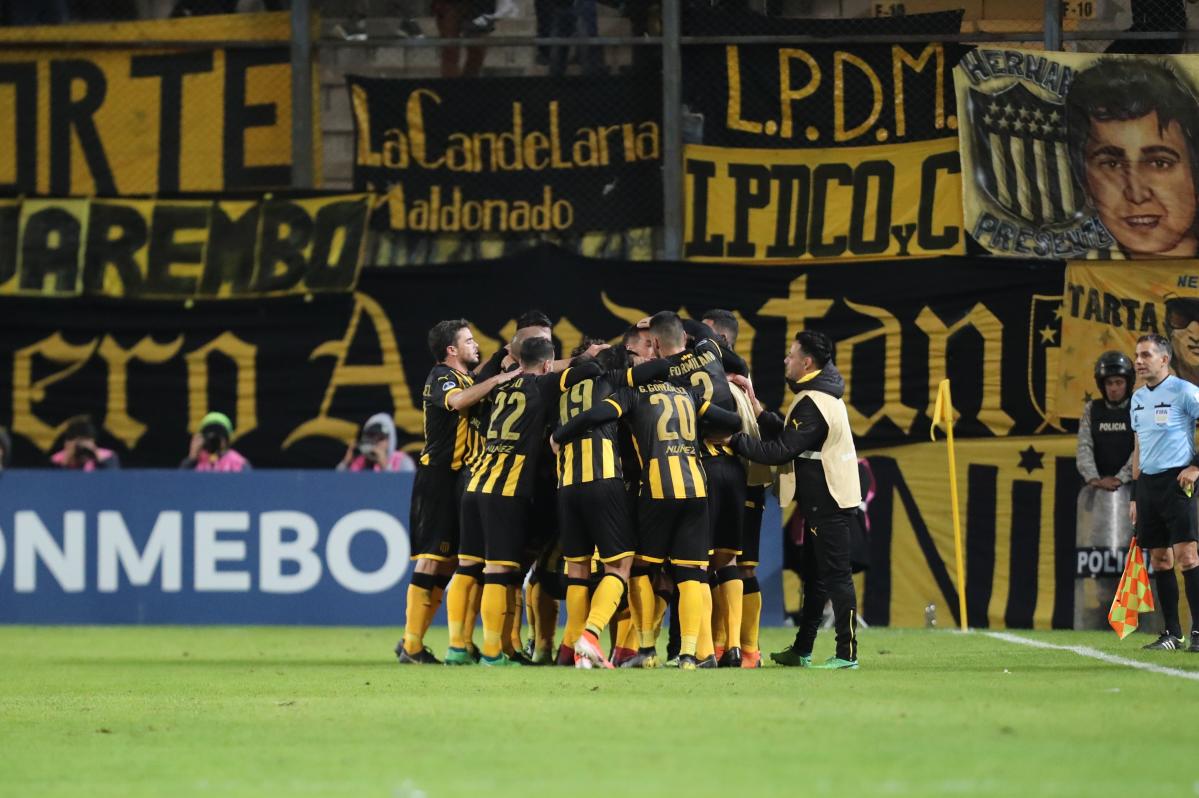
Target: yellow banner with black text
(181, 249)
(102, 118)
(884, 201)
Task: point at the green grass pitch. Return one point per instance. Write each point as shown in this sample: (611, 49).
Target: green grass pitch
(95, 711)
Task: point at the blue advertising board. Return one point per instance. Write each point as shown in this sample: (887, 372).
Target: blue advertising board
(261, 547)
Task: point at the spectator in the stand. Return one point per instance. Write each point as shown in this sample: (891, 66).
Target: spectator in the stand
(406, 28)
(5, 448)
(79, 450)
(376, 449)
(1104, 433)
(210, 450)
(454, 21)
(576, 18)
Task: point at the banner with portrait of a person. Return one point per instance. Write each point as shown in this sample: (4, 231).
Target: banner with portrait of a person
(1109, 306)
(1079, 156)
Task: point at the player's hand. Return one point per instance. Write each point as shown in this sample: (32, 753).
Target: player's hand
(1187, 477)
(721, 439)
(555, 447)
(1132, 512)
(505, 376)
(1109, 483)
(595, 349)
(644, 323)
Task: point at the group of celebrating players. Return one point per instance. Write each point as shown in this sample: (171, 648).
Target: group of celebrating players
(605, 481)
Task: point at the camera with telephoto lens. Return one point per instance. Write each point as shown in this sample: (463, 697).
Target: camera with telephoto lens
(214, 438)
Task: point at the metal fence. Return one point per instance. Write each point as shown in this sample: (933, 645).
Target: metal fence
(659, 42)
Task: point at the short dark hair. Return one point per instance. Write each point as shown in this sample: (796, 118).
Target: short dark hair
(630, 334)
(584, 345)
(668, 326)
(614, 358)
(535, 351)
(723, 322)
(1119, 89)
(443, 335)
(79, 427)
(533, 318)
(1161, 343)
(817, 346)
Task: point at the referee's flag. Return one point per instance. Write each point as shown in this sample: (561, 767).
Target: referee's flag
(1133, 595)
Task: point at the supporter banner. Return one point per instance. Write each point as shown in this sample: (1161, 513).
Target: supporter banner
(100, 118)
(1109, 306)
(157, 248)
(1079, 156)
(280, 547)
(1018, 500)
(893, 200)
(299, 386)
(394, 248)
(821, 96)
(511, 156)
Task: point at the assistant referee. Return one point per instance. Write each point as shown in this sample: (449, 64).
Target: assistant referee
(1164, 412)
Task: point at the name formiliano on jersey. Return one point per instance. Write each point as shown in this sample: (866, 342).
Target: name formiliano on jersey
(692, 364)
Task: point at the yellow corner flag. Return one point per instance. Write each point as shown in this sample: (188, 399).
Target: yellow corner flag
(1133, 595)
(943, 417)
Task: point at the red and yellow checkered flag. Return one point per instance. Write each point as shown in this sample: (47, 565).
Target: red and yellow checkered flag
(1133, 595)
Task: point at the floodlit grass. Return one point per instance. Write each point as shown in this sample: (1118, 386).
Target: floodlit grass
(285, 711)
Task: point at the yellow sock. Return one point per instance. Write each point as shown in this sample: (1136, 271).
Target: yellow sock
(494, 610)
(533, 610)
(577, 607)
(472, 612)
(751, 615)
(414, 623)
(691, 607)
(619, 630)
(660, 605)
(734, 600)
(457, 597)
(703, 643)
(604, 603)
(643, 605)
(435, 596)
(719, 615)
(512, 619)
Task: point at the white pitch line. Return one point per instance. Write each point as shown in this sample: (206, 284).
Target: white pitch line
(1094, 653)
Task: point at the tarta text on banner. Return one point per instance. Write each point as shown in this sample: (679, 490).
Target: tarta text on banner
(1079, 156)
(510, 155)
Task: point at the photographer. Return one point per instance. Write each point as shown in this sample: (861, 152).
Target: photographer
(210, 447)
(79, 450)
(376, 449)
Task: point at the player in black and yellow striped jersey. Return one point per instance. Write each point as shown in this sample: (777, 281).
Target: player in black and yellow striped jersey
(499, 493)
(672, 507)
(593, 507)
(702, 367)
(449, 395)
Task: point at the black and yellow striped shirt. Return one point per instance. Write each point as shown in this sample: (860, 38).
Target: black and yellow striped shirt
(515, 437)
(703, 369)
(663, 419)
(450, 439)
(596, 455)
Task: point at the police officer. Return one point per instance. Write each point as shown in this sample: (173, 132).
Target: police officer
(1164, 412)
(1105, 438)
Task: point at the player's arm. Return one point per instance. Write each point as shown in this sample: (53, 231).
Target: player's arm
(610, 409)
(493, 366)
(716, 420)
(804, 431)
(704, 337)
(462, 398)
(558, 366)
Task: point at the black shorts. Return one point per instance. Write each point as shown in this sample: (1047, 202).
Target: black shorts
(673, 528)
(1163, 511)
(543, 524)
(470, 540)
(726, 503)
(595, 515)
(751, 528)
(433, 515)
(505, 523)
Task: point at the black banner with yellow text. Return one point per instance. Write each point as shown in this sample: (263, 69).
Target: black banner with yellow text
(510, 156)
(298, 376)
(179, 249)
